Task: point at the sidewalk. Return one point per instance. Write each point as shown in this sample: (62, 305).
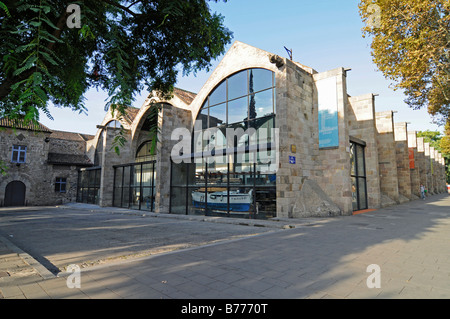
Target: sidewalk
(317, 258)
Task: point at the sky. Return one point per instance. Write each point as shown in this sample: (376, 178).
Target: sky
(323, 34)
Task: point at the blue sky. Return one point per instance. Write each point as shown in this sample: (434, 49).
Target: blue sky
(323, 34)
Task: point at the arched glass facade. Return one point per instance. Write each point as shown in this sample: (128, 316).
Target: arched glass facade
(144, 153)
(231, 170)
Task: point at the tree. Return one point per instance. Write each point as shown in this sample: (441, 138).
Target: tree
(445, 149)
(410, 46)
(53, 52)
(432, 137)
(440, 143)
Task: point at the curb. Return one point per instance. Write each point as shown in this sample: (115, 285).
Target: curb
(42, 271)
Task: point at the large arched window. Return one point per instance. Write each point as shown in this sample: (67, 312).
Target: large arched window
(243, 100)
(144, 152)
(240, 181)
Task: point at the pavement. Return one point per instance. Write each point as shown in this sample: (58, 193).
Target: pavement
(79, 251)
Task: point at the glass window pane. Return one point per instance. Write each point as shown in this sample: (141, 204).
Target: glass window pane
(126, 176)
(237, 110)
(147, 198)
(147, 175)
(219, 95)
(199, 142)
(137, 175)
(264, 103)
(215, 139)
(118, 181)
(261, 78)
(360, 154)
(362, 193)
(202, 120)
(352, 159)
(267, 163)
(354, 194)
(178, 201)
(197, 173)
(237, 85)
(21, 156)
(217, 115)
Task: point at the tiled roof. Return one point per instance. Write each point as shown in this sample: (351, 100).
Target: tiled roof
(186, 96)
(131, 113)
(68, 159)
(20, 124)
(71, 136)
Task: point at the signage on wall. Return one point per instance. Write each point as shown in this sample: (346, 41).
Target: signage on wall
(291, 159)
(328, 112)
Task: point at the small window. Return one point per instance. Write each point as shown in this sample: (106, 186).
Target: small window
(60, 184)
(114, 124)
(19, 154)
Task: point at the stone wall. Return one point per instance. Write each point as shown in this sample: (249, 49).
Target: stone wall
(108, 159)
(34, 172)
(361, 121)
(170, 119)
(299, 173)
(387, 159)
(415, 170)
(333, 170)
(402, 156)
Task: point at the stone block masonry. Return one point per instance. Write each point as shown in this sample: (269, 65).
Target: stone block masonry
(414, 164)
(402, 156)
(361, 122)
(387, 157)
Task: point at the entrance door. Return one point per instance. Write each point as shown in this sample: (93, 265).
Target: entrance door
(15, 194)
(358, 175)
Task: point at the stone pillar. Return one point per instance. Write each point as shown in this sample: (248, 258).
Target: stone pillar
(169, 119)
(421, 161)
(361, 119)
(429, 179)
(387, 158)
(433, 169)
(402, 156)
(109, 158)
(414, 164)
(300, 169)
(335, 177)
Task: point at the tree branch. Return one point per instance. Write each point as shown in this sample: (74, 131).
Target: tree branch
(126, 9)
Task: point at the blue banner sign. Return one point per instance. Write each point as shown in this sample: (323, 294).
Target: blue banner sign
(328, 112)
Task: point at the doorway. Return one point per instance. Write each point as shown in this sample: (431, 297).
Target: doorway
(15, 194)
(358, 176)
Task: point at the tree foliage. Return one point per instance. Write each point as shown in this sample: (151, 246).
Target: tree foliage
(440, 143)
(122, 47)
(410, 46)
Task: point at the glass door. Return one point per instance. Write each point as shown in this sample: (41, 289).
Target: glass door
(358, 176)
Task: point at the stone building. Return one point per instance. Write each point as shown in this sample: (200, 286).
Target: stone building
(265, 137)
(41, 165)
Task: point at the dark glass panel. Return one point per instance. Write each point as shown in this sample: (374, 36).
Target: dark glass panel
(264, 103)
(262, 79)
(217, 115)
(362, 193)
(237, 85)
(237, 110)
(219, 95)
(360, 154)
